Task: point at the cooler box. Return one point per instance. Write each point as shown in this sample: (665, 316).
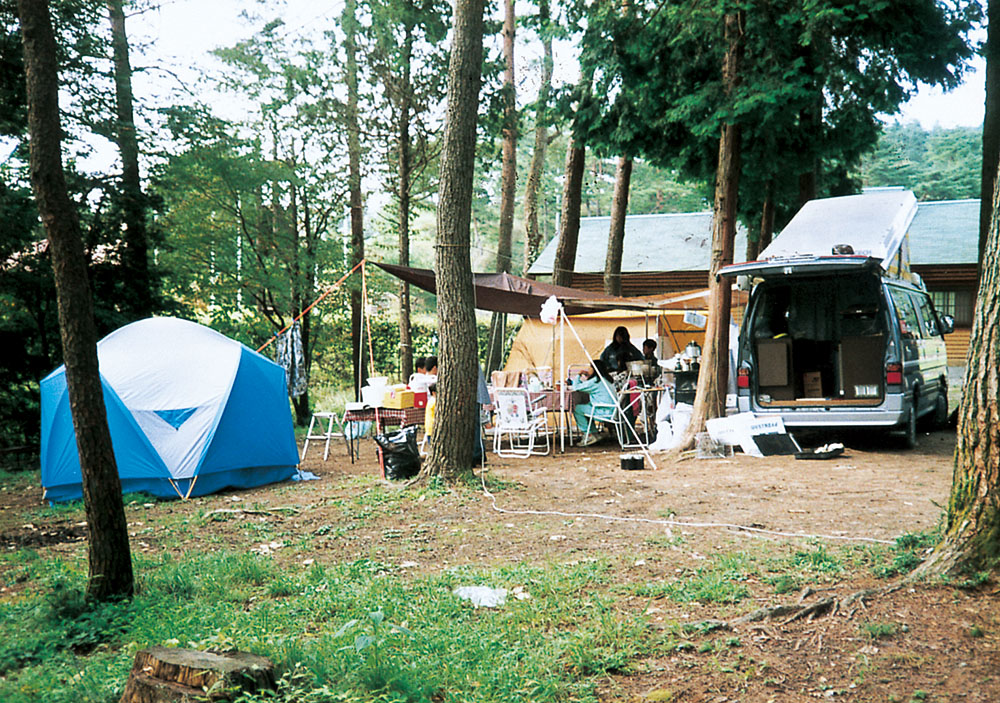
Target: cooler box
(398, 398)
(420, 399)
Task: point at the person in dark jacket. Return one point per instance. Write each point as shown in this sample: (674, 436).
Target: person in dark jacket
(621, 351)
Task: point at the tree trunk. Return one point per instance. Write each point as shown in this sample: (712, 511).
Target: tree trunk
(136, 254)
(168, 675)
(457, 411)
(616, 236)
(350, 25)
(508, 184)
(533, 235)
(972, 533)
(807, 187)
(569, 219)
(508, 178)
(405, 336)
(991, 125)
(110, 561)
(710, 397)
(763, 240)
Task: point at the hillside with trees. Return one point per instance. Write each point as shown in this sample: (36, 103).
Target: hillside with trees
(936, 164)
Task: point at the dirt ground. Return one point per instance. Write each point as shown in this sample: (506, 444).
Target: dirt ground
(929, 641)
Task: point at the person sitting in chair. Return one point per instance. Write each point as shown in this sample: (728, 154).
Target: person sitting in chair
(649, 350)
(601, 405)
(421, 379)
(621, 351)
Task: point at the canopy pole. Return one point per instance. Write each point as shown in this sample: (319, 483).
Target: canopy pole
(670, 334)
(608, 384)
(364, 302)
(563, 421)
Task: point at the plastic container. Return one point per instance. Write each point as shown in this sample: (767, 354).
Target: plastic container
(420, 399)
(372, 396)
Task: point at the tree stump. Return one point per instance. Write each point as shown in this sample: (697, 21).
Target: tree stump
(170, 675)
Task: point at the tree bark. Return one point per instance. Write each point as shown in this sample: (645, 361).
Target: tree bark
(508, 178)
(569, 219)
(405, 335)
(972, 532)
(303, 285)
(533, 235)
(508, 184)
(710, 397)
(457, 411)
(350, 25)
(110, 561)
(616, 236)
(763, 240)
(991, 125)
(168, 675)
(136, 254)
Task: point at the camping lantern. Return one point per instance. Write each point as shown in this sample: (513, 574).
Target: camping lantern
(692, 351)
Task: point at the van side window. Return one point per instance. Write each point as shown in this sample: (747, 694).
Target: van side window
(909, 324)
(927, 316)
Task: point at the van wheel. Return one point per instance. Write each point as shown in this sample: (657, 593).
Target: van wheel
(910, 430)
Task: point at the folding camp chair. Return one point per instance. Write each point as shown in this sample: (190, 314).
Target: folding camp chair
(326, 435)
(520, 423)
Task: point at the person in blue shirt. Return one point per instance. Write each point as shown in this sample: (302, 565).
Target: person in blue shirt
(621, 351)
(601, 405)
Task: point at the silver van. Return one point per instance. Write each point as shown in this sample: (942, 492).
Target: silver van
(834, 340)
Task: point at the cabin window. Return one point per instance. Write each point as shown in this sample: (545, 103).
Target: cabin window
(957, 303)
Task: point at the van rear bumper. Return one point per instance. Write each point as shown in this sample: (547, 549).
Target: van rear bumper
(891, 413)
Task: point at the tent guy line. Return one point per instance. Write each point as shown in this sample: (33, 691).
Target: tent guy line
(678, 523)
(316, 302)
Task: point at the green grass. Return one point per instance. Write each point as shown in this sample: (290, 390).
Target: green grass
(317, 624)
(722, 580)
(879, 630)
(907, 553)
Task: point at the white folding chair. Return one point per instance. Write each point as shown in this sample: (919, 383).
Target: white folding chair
(520, 423)
(615, 419)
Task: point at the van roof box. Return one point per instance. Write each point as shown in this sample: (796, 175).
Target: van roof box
(841, 233)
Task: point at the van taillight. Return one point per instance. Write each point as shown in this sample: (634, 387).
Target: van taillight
(743, 378)
(893, 374)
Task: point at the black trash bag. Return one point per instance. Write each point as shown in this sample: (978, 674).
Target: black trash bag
(399, 449)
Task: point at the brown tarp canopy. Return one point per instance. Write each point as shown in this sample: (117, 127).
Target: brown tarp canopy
(504, 292)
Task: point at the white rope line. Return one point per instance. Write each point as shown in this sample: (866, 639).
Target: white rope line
(676, 523)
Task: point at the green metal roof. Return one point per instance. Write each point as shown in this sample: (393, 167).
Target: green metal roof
(945, 232)
(942, 232)
(674, 242)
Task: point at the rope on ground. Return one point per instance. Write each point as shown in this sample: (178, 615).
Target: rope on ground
(677, 523)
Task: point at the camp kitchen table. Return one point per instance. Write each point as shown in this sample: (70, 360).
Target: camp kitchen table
(648, 399)
(382, 417)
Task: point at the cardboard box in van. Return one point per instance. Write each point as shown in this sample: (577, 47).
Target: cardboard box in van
(812, 384)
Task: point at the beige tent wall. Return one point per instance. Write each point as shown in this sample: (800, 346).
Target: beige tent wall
(533, 346)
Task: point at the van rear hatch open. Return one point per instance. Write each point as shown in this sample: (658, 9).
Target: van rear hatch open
(814, 341)
(816, 336)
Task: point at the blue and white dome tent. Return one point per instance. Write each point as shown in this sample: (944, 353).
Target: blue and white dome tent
(191, 412)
